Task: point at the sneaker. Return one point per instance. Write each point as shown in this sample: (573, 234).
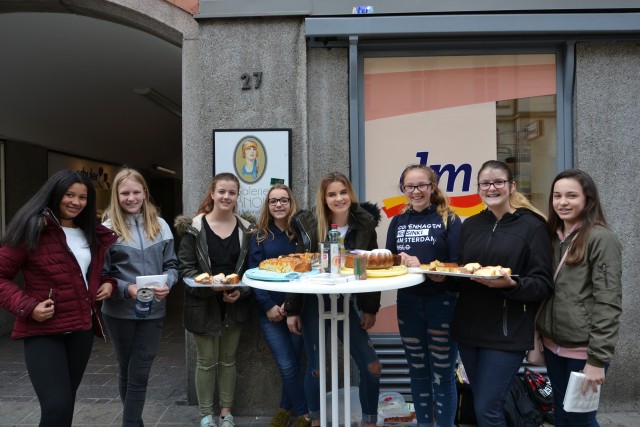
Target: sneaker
(280, 419)
(207, 422)
(227, 421)
(302, 422)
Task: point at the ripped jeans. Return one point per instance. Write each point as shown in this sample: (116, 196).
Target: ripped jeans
(424, 324)
(362, 352)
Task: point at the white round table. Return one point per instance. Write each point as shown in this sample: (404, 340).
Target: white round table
(334, 291)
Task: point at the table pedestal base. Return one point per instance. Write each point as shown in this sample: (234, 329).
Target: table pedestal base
(334, 316)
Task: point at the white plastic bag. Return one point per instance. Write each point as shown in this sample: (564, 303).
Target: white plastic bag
(356, 410)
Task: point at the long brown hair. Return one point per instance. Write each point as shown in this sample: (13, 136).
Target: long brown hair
(207, 202)
(516, 198)
(118, 216)
(590, 216)
(438, 197)
(323, 213)
(262, 228)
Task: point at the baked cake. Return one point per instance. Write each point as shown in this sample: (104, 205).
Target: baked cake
(377, 258)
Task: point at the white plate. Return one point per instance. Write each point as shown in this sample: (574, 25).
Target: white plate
(151, 281)
(191, 282)
(272, 276)
(444, 273)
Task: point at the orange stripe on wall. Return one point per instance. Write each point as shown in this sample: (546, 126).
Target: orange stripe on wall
(395, 94)
(465, 201)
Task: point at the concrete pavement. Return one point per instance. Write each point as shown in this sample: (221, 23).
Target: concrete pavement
(98, 404)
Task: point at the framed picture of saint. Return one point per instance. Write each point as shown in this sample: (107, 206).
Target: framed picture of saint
(258, 157)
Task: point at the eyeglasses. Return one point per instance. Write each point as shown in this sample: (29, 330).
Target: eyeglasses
(420, 187)
(283, 201)
(485, 185)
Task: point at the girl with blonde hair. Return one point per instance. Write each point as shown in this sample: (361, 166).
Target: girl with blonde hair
(425, 310)
(336, 203)
(145, 247)
(493, 321)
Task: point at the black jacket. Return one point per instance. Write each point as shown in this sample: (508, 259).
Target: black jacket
(503, 319)
(360, 235)
(201, 313)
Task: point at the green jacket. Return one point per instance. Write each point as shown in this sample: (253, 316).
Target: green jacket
(585, 308)
(360, 235)
(201, 314)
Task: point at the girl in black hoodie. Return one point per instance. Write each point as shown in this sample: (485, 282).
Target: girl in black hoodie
(493, 321)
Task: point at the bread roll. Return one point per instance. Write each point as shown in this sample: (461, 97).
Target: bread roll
(231, 279)
(218, 279)
(470, 268)
(492, 271)
(203, 278)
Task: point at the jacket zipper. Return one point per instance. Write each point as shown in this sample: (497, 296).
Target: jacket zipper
(306, 240)
(604, 271)
(141, 243)
(505, 328)
(486, 247)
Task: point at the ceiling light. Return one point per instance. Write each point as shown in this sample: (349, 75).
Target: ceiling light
(163, 169)
(159, 99)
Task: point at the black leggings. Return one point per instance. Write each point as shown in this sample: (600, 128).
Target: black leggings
(56, 364)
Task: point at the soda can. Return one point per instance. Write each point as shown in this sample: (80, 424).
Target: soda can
(144, 300)
(360, 267)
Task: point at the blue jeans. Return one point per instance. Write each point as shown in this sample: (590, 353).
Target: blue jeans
(287, 349)
(424, 324)
(559, 370)
(490, 374)
(362, 352)
(136, 345)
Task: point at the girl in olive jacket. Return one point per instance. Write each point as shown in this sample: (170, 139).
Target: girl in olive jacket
(579, 323)
(216, 241)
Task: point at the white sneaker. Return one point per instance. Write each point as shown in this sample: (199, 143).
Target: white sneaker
(207, 422)
(227, 421)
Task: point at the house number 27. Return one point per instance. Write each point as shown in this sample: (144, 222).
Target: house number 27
(248, 78)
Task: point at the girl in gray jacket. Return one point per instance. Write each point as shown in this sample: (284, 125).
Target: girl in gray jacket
(144, 248)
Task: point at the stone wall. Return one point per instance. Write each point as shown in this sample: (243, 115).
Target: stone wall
(606, 146)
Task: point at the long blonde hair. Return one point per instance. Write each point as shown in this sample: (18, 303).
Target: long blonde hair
(438, 197)
(323, 213)
(117, 216)
(207, 202)
(516, 198)
(262, 227)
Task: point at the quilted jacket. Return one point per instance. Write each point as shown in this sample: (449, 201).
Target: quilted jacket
(52, 269)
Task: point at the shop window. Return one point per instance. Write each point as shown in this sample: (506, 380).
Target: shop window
(453, 113)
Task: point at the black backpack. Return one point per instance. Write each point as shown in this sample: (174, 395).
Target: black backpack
(539, 388)
(519, 409)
